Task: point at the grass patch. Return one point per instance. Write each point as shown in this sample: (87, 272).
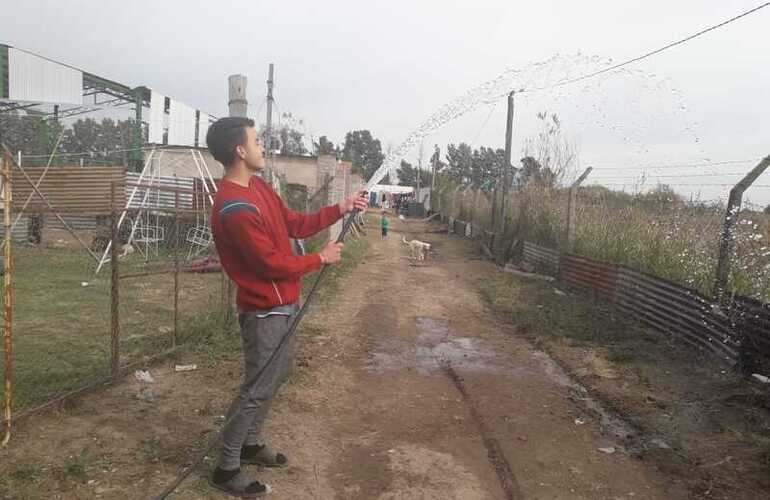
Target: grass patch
(154, 451)
(538, 310)
(62, 329)
(352, 256)
(19, 482)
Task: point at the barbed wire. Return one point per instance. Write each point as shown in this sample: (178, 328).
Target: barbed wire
(679, 165)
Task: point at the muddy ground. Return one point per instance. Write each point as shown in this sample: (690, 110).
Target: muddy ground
(407, 386)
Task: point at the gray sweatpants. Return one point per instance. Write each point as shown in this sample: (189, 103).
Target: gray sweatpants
(261, 331)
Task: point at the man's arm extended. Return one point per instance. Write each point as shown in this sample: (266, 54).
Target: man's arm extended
(301, 225)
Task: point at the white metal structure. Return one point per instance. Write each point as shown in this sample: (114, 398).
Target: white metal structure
(37, 79)
(145, 227)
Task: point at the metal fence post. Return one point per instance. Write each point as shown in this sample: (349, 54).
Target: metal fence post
(7, 301)
(572, 210)
(114, 288)
(726, 239)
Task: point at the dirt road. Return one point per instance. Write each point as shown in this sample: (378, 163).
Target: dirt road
(406, 388)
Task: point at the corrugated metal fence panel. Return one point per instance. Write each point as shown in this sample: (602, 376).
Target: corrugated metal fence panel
(70, 187)
(459, 227)
(34, 78)
(673, 309)
(670, 307)
(590, 274)
(752, 320)
(75, 222)
(149, 197)
(20, 230)
(541, 258)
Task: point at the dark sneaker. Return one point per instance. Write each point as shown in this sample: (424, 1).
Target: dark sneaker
(237, 484)
(263, 455)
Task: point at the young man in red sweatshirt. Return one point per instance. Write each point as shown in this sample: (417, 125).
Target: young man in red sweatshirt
(251, 227)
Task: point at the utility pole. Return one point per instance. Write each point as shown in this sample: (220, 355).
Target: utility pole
(419, 170)
(507, 161)
(269, 125)
(436, 154)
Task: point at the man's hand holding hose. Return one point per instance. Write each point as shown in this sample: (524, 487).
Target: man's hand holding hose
(331, 253)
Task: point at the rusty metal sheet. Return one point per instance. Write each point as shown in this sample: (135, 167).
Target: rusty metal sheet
(673, 301)
(541, 258)
(70, 187)
(590, 274)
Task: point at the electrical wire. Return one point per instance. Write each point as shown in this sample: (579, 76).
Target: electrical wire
(661, 49)
(680, 165)
(682, 185)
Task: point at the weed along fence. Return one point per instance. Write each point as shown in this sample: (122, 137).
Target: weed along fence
(67, 328)
(738, 334)
(693, 271)
(666, 306)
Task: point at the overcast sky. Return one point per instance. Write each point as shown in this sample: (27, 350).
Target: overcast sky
(387, 66)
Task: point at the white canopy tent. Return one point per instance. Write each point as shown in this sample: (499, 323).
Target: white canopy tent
(387, 188)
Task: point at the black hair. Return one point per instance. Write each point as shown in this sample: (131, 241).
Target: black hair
(225, 135)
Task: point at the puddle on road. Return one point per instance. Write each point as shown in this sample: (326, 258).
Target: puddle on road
(434, 343)
(615, 431)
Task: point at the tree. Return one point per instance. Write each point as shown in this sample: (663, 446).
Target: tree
(479, 167)
(435, 160)
(324, 146)
(533, 173)
(662, 196)
(555, 155)
(287, 140)
(459, 159)
(407, 175)
(363, 151)
(106, 140)
(291, 141)
(31, 134)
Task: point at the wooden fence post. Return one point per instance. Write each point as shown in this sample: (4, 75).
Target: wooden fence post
(7, 301)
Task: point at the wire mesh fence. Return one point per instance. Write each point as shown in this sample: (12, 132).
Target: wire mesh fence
(653, 254)
(159, 289)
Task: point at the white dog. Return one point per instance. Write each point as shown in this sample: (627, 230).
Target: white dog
(418, 249)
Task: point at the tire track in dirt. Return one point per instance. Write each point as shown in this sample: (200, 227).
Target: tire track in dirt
(494, 452)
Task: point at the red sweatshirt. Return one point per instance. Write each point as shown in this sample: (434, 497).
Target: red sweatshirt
(251, 228)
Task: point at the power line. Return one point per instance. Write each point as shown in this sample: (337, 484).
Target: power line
(666, 47)
(483, 125)
(654, 176)
(683, 185)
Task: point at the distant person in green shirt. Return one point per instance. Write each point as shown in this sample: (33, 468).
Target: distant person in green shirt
(384, 224)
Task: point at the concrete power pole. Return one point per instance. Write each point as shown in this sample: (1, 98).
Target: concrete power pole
(269, 125)
(436, 156)
(507, 167)
(237, 102)
(419, 171)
